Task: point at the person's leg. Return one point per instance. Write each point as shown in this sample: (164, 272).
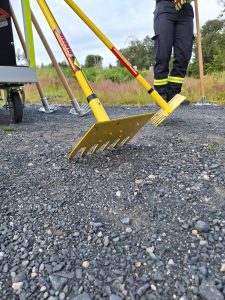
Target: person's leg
(164, 38)
(183, 44)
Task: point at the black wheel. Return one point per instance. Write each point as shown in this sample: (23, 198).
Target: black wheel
(17, 107)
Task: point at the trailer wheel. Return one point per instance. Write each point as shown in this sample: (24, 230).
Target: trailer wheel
(17, 107)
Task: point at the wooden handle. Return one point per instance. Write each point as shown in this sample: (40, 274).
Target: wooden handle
(200, 56)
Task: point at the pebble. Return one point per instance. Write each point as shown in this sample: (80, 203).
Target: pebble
(150, 250)
(202, 227)
(106, 241)
(96, 224)
(128, 230)
(41, 268)
(85, 264)
(25, 263)
(78, 273)
(139, 181)
(195, 232)
(222, 268)
(57, 282)
(62, 296)
(137, 264)
(118, 194)
(170, 262)
(17, 285)
(208, 291)
(206, 177)
(45, 295)
(125, 220)
(114, 297)
(5, 268)
(83, 296)
(43, 288)
(203, 243)
(153, 287)
(142, 290)
(203, 270)
(158, 277)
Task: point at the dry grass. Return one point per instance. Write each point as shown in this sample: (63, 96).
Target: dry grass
(125, 93)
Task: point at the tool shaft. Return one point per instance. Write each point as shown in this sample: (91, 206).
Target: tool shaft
(200, 56)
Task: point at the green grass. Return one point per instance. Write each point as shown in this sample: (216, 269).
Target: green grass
(115, 86)
(8, 128)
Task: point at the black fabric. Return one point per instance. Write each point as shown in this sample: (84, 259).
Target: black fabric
(173, 31)
(7, 50)
(157, 1)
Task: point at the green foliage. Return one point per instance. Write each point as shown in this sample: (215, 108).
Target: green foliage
(92, 74)
(222, 4)
(93, 61)
(213, 45)
(115, 74)
(8, 129)
(140, 53)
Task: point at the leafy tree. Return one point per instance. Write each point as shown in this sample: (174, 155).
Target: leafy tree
(140, 53)
(93, 61)
(222, 4)
(213, 45)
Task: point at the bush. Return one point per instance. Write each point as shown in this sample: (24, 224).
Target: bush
(117, 75)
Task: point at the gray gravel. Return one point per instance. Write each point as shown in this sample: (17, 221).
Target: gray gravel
(144, 221)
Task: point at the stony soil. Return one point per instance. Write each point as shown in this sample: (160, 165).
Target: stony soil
(144, 221)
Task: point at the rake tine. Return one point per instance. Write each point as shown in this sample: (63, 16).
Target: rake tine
(84, 106)
(97, 148)
(158, 118)
(117, 142)
(85, 151)
(74, 152)
(107, 145)
(114, 143)
(84, 109)
(127, 140)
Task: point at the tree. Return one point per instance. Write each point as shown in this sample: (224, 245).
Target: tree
(222, 3)
(140, 53)
(213, 45)
(93, 61)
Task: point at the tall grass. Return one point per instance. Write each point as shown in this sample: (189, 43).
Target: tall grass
(115, 86)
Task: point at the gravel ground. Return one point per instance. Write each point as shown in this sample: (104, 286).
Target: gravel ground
(144, 221)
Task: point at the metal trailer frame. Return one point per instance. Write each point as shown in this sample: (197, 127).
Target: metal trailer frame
(13, 78)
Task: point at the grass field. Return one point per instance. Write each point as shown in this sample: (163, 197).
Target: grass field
(116, 87)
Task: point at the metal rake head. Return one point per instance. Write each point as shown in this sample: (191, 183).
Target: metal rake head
(113, 133)
(161, 115)
(51, 108)
(84, 109)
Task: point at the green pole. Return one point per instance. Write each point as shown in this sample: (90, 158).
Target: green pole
(29, 33)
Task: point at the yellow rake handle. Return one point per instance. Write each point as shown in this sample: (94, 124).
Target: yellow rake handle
(158, 99)
(94, 103)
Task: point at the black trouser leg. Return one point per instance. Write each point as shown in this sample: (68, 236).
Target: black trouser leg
(164, 27)
(183, 42)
